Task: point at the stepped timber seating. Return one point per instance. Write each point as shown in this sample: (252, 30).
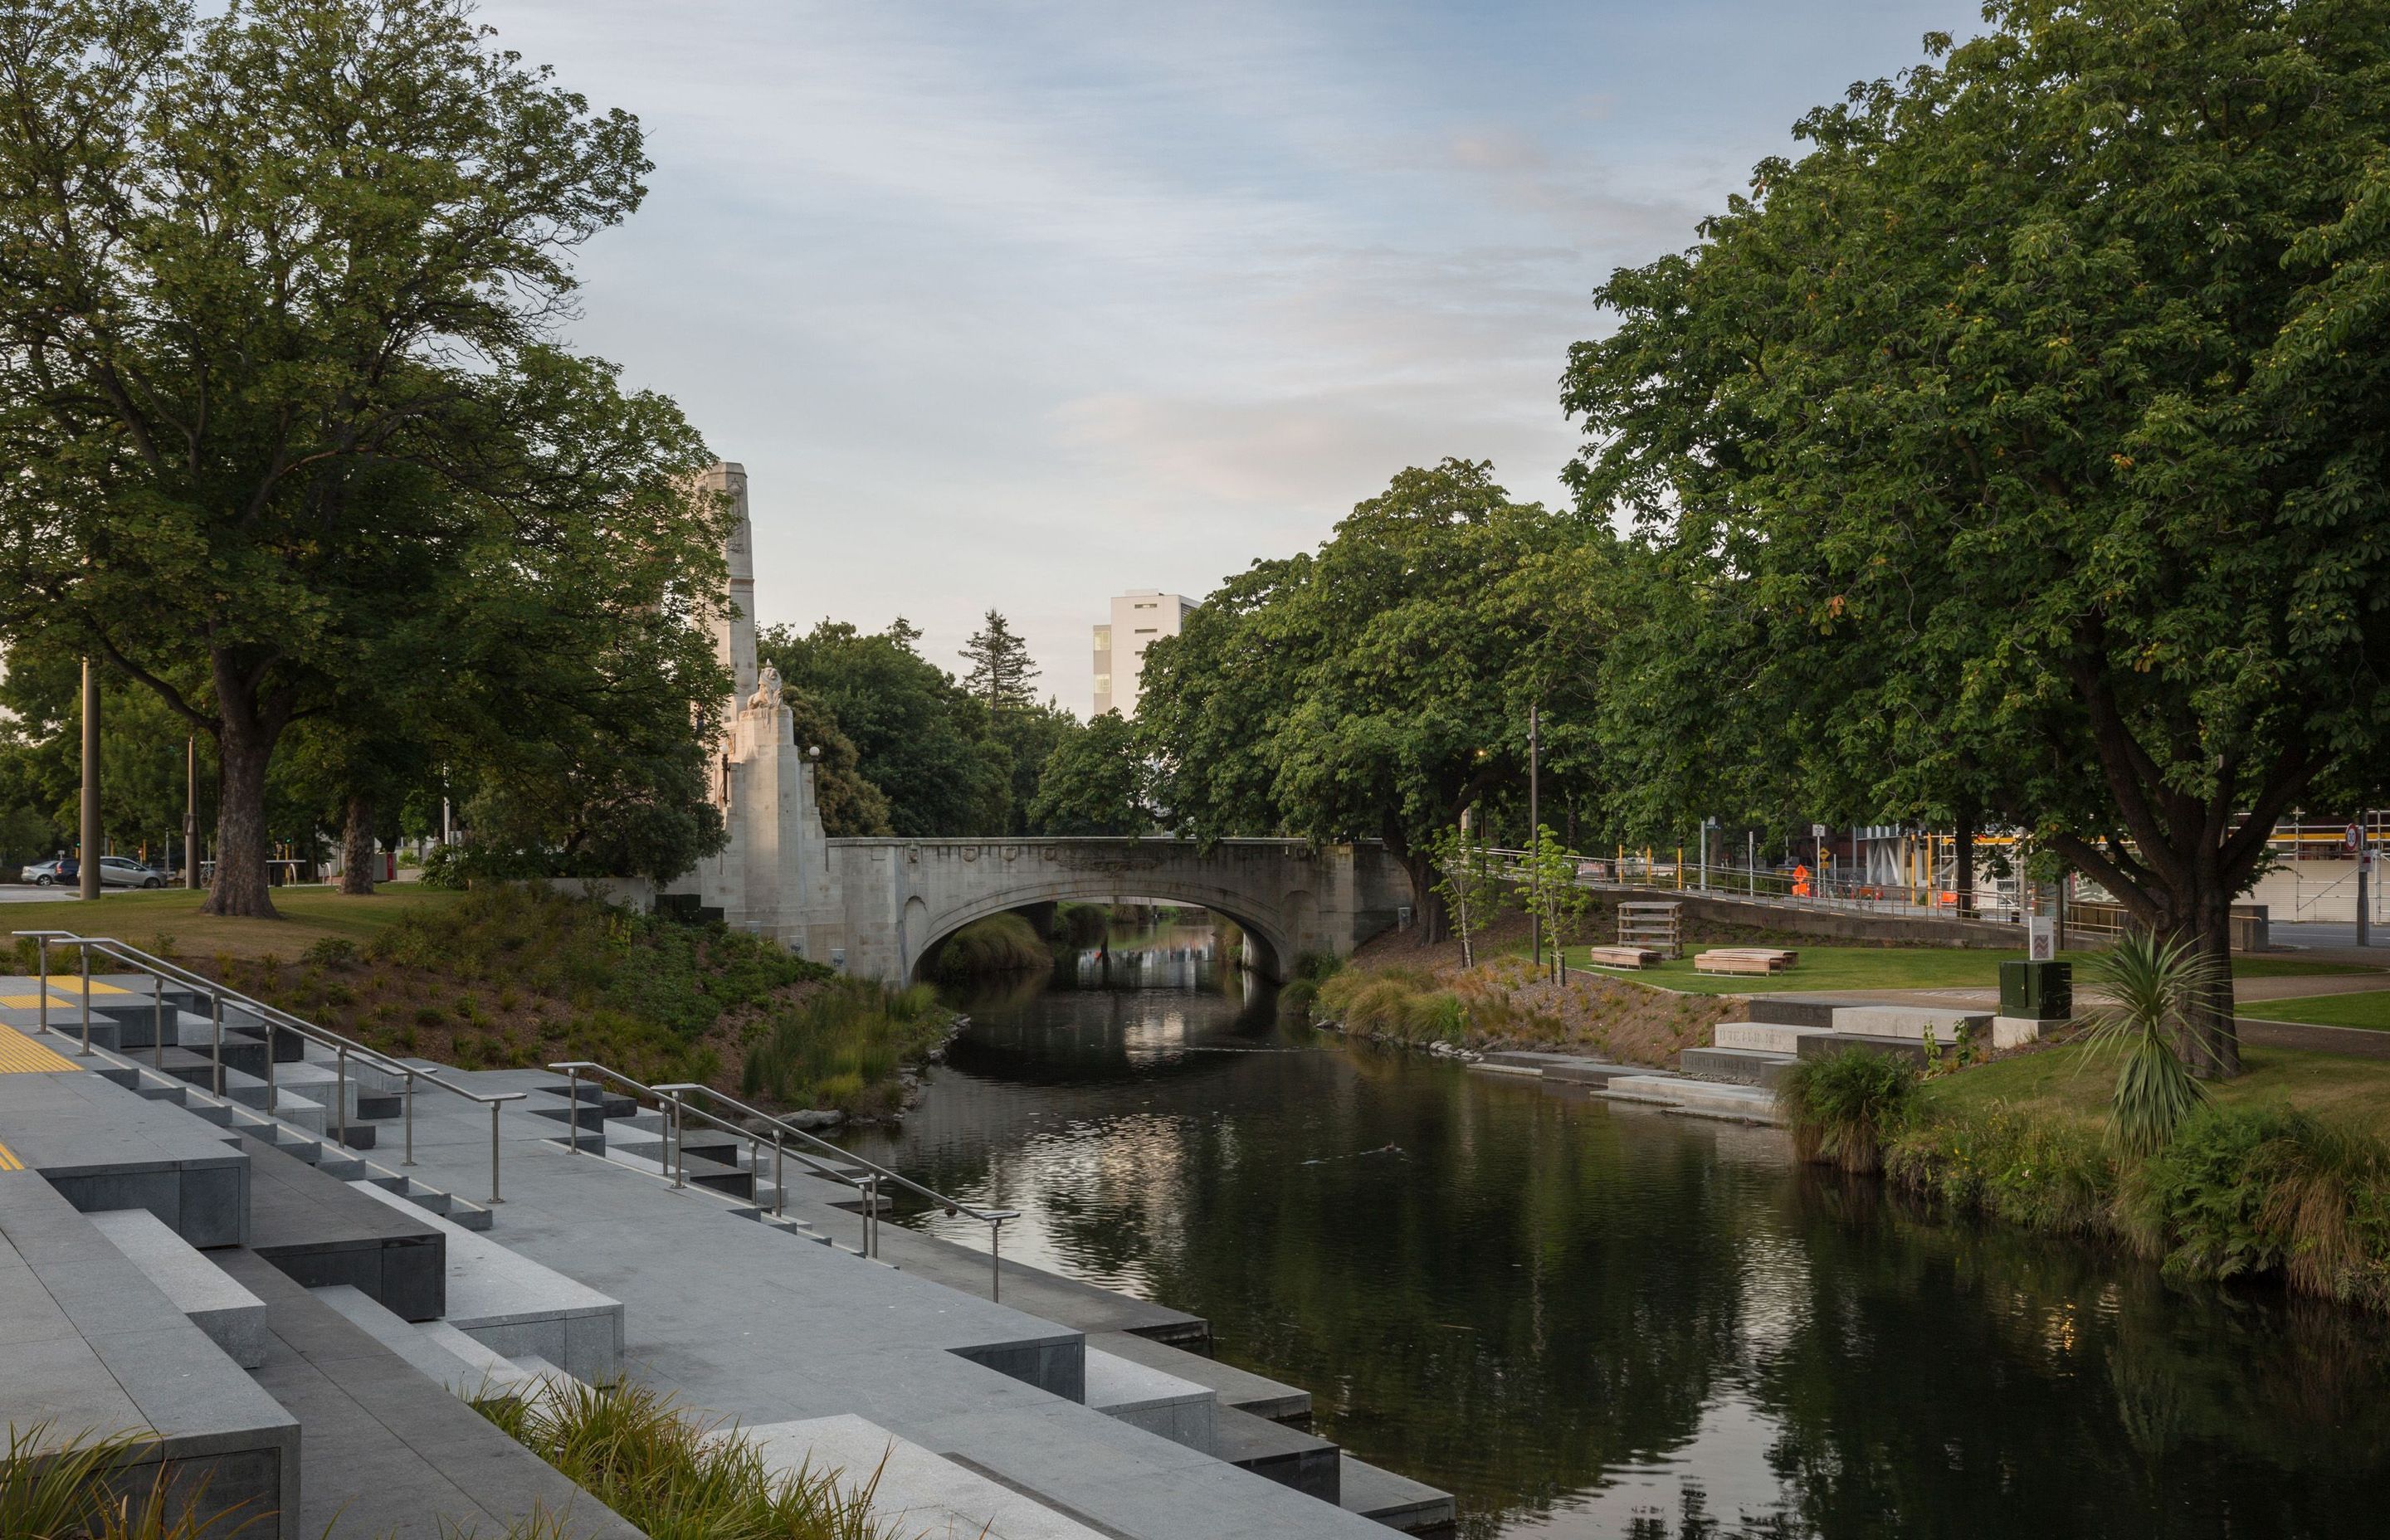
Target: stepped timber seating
(1652, 927)
(1784, 1029)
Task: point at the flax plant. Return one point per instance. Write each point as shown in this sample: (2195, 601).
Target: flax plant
(2154, 990)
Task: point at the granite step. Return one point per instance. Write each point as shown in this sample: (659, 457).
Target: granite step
(1394, 1501)
(1155, 1400)
(914, 1491)
(1230, 1386)
(1287, 1456)
(321, 1229)
(233, 1318)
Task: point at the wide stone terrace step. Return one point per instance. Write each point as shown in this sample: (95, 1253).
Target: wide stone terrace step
(1741, 1066)
(89, 1344)
(1396, 1501)
(513, 1306)
(231, 1315)
(1287, 1456)
(103, 1147)
(913, 1491)
(1155, 1400)
(321, 1230)
(1230, 1386)
(392, 1455)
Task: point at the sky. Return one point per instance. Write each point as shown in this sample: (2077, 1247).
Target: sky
(1022, 305)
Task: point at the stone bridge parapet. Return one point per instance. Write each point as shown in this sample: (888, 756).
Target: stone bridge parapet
(901, 897)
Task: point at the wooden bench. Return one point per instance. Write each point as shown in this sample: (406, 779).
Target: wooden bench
(1621, 956)
(1743, 959)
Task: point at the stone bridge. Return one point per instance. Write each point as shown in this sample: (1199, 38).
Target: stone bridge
(901, 897)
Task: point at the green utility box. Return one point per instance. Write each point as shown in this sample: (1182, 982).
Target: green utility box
(2037, 991)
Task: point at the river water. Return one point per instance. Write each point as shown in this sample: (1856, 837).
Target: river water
(1588, 1319)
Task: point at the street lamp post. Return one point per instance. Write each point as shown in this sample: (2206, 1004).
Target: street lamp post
(88, 886)
(1534, 842)
(191, 811)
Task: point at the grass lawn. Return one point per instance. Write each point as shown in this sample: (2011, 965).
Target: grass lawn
(2366, 1009)
(1832, 968)
(2058, 1081)
(308, 915)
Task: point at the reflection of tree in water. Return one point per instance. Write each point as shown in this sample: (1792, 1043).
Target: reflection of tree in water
(1521, 1295)
(1947, 1372)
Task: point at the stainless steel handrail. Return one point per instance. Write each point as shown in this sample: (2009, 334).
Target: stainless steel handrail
(672, 1099)
(274, 1019)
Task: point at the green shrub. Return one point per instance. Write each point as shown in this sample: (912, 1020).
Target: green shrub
(330, 950)
(75, 1492)
(2253, 1191)
(840, 1045)
(2153, 988)
(675, 1476)
(1000, 943)
(1843, 1108)
(2029, 1171)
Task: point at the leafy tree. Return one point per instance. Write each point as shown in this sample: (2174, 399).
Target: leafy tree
(851, 806)
(1378, 687)
(1093, 783)
(1001, 673)
(1547, 889)
(922, 740)
(1469, 886)
(2025, 440)
(277, 289)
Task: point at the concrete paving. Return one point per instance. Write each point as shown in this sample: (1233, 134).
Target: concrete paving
(751, 1324)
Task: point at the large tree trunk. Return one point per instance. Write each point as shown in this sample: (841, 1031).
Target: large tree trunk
(1434, 922)
(2211, 1038)
(358, 849)
(245, 735)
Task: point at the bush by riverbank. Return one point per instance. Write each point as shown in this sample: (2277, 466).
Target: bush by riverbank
(2284, 1178)
(507, 977)
(1505, 1004)
(1000, 943)
(842, 1046)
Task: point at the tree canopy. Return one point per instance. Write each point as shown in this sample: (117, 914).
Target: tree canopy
(1377, 687)
(1094, 782)
(279, 290)
(2022, 445)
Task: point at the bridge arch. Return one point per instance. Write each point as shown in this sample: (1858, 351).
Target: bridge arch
(901, 897)
(1272, 937)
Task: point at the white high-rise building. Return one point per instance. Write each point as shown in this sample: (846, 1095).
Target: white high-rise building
(1139, 620)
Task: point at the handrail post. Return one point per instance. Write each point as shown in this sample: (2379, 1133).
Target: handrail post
(995, 1261)
(215, 1037)
(42, 950)
(780, 1176)
(573, 1099)
(341, 1094)
(410, 1117)
(273, 1097)
(157, 1022)
(495, 1198)
(680, 1160)
(84, 951)
(872, 1215)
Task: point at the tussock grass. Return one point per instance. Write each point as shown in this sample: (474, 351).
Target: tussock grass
(675, 1475)
(840, 1047)
(81, 1490)
(1844, 1109)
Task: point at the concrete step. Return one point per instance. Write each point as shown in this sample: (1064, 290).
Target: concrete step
(1394, 1501)
(1707, 1097)
(1230, 1386)
(1287, 1456)
(1743, 1066)
(1912, 1024)
(322, 1230)
(1159, 1401)
(513, 1306)
(233, 1318)
(1819, 1045)
(1763, 1037)
(103, 1147)
(913, 1491)
(92, 1347)
(1794, 1010)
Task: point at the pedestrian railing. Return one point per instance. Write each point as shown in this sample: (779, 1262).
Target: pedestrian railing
(1815, 891)
(345, 1051)
(788, 1142)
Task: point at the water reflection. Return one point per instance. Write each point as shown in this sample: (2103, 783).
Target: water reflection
(1588, 1319)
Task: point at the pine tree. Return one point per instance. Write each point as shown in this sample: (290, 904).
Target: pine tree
(1000, 673)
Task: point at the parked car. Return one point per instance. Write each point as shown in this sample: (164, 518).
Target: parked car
(122, 871)
(45, 874)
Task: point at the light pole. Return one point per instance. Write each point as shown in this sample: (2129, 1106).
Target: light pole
(191, 811)
(88, 885)
(1534, 842)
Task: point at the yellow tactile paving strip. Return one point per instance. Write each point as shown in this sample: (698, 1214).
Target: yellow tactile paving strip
(20, 1055)
(8, 1161)
(33, 1002)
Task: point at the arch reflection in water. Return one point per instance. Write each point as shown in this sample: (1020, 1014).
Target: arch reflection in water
(1589, 1320)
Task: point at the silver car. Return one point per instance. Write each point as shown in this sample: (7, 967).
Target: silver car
(122, 871)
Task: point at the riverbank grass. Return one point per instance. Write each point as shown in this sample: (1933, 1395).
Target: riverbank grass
(2368, 1009)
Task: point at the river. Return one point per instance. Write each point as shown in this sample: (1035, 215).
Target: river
(1588, 1319)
